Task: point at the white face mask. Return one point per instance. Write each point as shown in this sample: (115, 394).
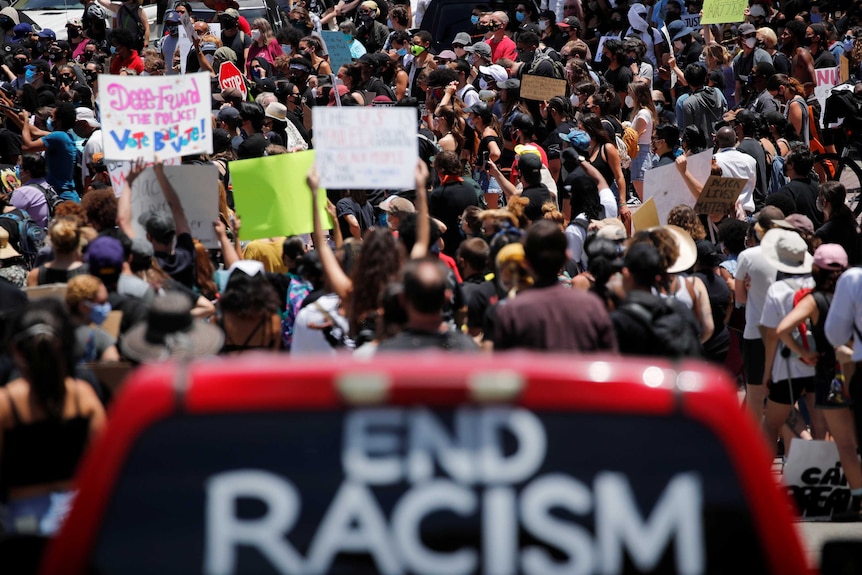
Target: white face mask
(751, 42)
(630, 102)
(543, 25)
(255, 35)
(575, 100)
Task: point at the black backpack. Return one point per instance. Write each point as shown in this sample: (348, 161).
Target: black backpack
(670, 327)
(52, 198)
(138, 32)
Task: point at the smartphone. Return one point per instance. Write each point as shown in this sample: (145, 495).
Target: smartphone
(483, 160)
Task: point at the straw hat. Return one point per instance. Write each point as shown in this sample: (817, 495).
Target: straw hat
(6, 251)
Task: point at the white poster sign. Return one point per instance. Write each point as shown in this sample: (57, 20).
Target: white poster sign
(666, 186)
(827, 78)
(815, 479)
(365, 147)
(119, 169)
(197, 188)
(145, 116)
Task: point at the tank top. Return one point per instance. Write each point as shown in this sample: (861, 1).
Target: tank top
(601, 164)
(44, 451)
(55, 276)
(245, 346)
(801, 102)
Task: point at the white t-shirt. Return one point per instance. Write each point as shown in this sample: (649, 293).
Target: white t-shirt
(761, 273)
(736, 164)
(311, 340)
(646, 116)
(576, 235)
(610, 201)
(779, 302)
(94, 146)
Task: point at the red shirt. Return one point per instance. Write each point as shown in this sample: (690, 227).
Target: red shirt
(505, 48)
(134, 62)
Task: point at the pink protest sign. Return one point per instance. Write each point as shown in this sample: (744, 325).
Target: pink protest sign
(148, 116)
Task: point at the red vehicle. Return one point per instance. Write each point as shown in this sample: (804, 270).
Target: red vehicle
(428, 464)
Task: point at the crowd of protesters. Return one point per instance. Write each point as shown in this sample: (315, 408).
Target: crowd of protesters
(518, 235)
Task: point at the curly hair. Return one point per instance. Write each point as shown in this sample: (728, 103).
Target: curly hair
(72, 210)
(378, 264)
(662, 240)
(248, 296)
(80, 289)
(686, 218)
(65, 234)
(100, 206)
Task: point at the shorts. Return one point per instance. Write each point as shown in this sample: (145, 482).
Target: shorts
(638, 162)
(780, 391)
(753, 361)
(822, 387)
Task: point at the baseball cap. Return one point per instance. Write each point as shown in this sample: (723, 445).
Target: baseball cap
(209, 47)
(830, 257)
(757, 11)
(230, 12)
(480, 48)
(462, 38)
(398, 205)
(159, 225)
(800, 223)
(487, 95)
(745, 29)
(578, 139)
(83, 114)
(510, 84)
(446, 55)
(74, 22)
(47, 33)
(105, 256)
(497, 72)
(21, 30)
(227, 114)
(529, 164)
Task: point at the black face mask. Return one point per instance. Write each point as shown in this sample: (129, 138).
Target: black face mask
(90, 76)
(6, 23)
(228, 24)
(74, 32)
(526, 57)
(806, 42)
(18, 66)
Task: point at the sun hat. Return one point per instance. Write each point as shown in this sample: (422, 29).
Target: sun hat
(276, 111)
(6, 250)
(398, 205)
(786, 251)
(686, 246)
(170, 332)
(830, 257)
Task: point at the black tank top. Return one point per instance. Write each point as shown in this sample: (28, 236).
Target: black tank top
(44, 451)
(52, 276)
(602, 165)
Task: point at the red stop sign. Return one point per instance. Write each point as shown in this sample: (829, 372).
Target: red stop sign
(229, 76)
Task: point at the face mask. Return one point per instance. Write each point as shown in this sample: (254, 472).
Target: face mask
(90, 76)
(174, 31)
(519, 16)
(7, 23)
(543, 25)
(55, 55)
(348, 37)
(750, 42)
(401, 52)
(366, 17)
(470, 122)
(389, 24)
(18, 66)
(805, 42)
(99, 312)
(659, 108)
(678, 45)
(526, 57)
(113, 49)
(85, 57)
(74, 32)
(416, 50)
(632, 60)
(228, 24)
(474, 19)
(255, 35)
(286, 48)
(29, 73)
(49, 123)
(575, 100)
(616, 22)
(819, 204)
(630, 102)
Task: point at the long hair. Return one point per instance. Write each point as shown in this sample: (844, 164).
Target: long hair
(45, 362)
(265, 29)
(378, 264)
(585, 199)
(204, 272)
(453, 121)
(642, 96)
(593, 126)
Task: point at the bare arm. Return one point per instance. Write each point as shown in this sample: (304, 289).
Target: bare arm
(341, 283)
(124, 204)
(353, 224)
(806, 308)
(143, 16)
(695, 187)
(115, 8)
(423, 219)
(593, 173)
(703, 311)
(173, 200)
(337, 238)
(28, 142)
(228, 251)
(770, 344)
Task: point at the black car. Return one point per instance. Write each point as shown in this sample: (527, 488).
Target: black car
(445, 18)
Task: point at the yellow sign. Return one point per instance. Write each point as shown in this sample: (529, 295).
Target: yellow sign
(646, 216)
(723, 11)
(541, 88)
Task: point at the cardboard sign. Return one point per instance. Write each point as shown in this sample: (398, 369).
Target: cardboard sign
(272, 196)
(844, 67)
(229, 76)
(719, 195)
(666, 186)
(723, 11)
(197, 188)
(541, 88)
(119, 169)
(645, 216)
(337, 48)
(365, 148)
(145, 116)
(815, 479)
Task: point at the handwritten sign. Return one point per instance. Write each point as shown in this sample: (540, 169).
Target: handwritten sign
(719, 195)
(691, 20)
(814, 478)
(337, 48)
(273, 197)
(197, 188)
(145, 116)
(119, 169)
(723, 11)
(541, 88)
(826, 78)
(365, 148)
(666, 186)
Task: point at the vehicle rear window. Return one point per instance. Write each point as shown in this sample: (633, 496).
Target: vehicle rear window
(496, 489)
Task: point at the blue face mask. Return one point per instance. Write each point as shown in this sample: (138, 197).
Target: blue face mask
(389, 24)
(29, 73)
(474, 19)
(99, 312)
(113, 49)
(49, 123)
(519, 16)
(286, 49)
(348, 37)
(401, 52)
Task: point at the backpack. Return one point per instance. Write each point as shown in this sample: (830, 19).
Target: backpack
(630, 139)
(671, 332)
(138, 31)
(52, 198)
(31, 236)
(559, 67)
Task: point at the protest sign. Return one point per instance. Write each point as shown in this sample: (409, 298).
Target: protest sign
(645, 216)
(666, 186)
(197, 189)
(691, 20)
(814, 478)
(541, 88)
(337, 48)
(229, 76)
(366, 148)
(119, 169)
(145, 116)
(844, 68)
(273, 198)
(719, 195)
(723, 11)
(826, 79)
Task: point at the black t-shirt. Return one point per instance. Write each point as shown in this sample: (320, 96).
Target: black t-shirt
(825, 59)
(252, 147)
(553, 143)
(447, 203)
(841, 229)
(10, 146)
(619, 78)
(238, 43)
(478, 300)
(804, 196)
(537, 195)
(364, 215)
(181, 264)
(410, 340)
